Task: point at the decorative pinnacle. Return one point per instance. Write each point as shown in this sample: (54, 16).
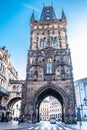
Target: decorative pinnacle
(32, 17)
(63, 14)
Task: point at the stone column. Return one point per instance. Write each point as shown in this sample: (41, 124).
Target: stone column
(70, 115)
(30, 112)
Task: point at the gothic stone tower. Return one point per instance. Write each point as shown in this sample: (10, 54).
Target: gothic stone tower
(49, 67)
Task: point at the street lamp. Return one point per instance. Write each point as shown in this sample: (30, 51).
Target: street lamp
(82, 112)
(79, 116)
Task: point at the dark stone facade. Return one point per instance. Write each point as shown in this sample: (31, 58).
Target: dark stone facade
(49, 67)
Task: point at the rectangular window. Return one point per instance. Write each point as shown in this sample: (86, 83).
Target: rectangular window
(49, 68)
(41, 43)
(54, 41)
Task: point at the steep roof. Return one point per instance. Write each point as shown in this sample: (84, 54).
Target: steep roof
(48, 14)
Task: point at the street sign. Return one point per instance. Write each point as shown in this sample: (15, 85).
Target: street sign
(70, 112)
(31, 112)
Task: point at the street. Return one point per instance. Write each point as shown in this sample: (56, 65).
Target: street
(47, 126)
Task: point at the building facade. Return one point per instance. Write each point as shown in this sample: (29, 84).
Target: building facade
(7, 72)
(16, 109)
(55, 109)
(49, 66)
(81, 97)
(44, 110)
(50, 108)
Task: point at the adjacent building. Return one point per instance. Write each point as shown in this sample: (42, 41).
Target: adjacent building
(50, 108)
(7, 73)
(44, 110)
(55, 108)
(16, 110)
(81, 97)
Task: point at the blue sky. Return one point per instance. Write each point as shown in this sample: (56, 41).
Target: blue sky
(14, 30)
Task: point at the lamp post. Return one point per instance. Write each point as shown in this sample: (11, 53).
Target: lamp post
(79, 116)
(82, 112)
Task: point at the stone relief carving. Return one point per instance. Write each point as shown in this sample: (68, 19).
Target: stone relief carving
(35, 73)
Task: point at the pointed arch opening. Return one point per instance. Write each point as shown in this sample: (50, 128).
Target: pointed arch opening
(51, 90)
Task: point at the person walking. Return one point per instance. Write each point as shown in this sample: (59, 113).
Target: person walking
(19, 121)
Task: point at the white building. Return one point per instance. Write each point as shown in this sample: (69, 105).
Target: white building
(50, 108)
(7, 72)
(44, 110)
(81, 97)
(55, 108)
(16, 109)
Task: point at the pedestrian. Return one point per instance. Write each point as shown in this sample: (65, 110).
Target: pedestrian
(19, 121)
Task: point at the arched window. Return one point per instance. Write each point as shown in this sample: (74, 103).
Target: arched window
(41, 43)
(49, 66)
(18, 89)
(54, 41)
(14, 88)
(44, 42)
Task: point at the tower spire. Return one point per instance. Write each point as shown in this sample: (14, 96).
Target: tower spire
(48, 14)
(32, 17)
(63, 14)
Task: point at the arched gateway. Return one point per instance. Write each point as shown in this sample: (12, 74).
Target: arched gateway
(49, 67)
(50, 90)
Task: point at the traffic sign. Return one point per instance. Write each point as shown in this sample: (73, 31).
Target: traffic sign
(71, 111)
(31, 112)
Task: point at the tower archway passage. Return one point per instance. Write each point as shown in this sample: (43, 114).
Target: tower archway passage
(51, 90)
(49, 67)
(31, 109)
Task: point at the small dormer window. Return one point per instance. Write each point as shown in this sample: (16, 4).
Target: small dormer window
(47, 10)
(48, 17)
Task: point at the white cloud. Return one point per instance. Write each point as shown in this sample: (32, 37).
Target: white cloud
(30, 7)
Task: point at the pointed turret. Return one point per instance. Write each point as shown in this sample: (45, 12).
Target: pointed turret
(63, 15)
(32, 17)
